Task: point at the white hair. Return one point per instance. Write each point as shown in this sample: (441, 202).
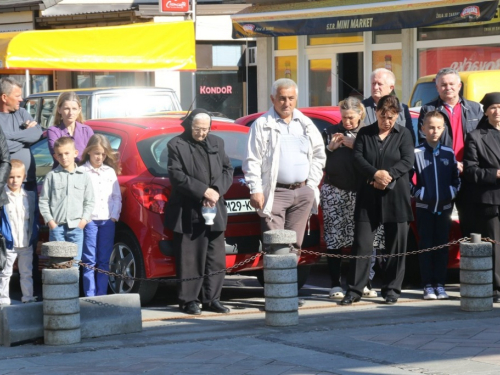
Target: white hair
(283, 83)
(390, 77)
(201, 116)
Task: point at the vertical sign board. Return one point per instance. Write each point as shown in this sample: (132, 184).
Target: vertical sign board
(181, 6)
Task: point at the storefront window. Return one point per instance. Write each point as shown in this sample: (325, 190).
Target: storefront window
(386, 36)
(38, 82)
(463, 58)
(104, 79)
(391, 60)
(320, 40)
(285, 43)
(285, 67)
(220, 92)
(320, 82)
(226, 55)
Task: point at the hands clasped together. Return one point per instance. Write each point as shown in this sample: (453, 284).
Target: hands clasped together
(338, 139)
(381, 179)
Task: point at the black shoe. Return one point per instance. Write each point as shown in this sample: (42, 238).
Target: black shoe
(217, 307)
(349, 299)
(191, 308)
(391, 300)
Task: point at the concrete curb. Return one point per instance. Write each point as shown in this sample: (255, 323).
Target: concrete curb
(113, 314)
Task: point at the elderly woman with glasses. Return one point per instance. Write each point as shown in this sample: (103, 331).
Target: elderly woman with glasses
(200, 173)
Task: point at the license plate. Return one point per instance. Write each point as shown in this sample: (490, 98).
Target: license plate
(239, 206)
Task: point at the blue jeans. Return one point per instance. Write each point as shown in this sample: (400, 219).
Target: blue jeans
(74, 235)
(97, 248)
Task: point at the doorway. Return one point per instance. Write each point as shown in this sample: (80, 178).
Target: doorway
(334, 77)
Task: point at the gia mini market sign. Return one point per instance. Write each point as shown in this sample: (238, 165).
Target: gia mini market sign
(181, 6)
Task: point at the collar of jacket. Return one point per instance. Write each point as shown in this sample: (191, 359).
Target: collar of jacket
(484, 125)
(463, 102)
(60, 169)
(271, 122)
(210, 140)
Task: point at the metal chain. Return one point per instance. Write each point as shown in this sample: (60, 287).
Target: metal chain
(464, 239)
(125, 277)
(292, 249)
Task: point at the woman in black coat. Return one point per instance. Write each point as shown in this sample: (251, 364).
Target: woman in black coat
(481, 178)
(384, 154)
(200, 173)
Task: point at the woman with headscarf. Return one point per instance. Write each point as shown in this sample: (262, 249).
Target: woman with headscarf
(481, 181)
(200, 173)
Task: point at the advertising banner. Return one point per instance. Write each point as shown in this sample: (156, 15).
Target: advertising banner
(462, 59)
(356, 16)
(181, 6)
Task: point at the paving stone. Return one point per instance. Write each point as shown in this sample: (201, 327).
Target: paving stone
(270, 370)
(464, 351)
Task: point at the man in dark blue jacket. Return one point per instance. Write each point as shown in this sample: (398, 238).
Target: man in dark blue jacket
(461, 116)
(435, 186)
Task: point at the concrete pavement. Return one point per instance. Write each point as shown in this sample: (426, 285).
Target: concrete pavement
(412, 337)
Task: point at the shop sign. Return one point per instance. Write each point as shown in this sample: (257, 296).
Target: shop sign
(170, 6)
(388, 16)
(462, 59)
(216, 89)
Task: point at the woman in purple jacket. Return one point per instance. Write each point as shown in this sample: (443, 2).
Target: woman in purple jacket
(68, 123)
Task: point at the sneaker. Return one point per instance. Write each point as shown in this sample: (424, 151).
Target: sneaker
(441, 293)
(369, 293)
(429, 292)
(336, 293)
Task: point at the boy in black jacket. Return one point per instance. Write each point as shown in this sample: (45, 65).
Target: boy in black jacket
(435, 187)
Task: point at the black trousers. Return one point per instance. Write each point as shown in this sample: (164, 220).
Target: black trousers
(393, 268)
(433, 230)
(199, 253)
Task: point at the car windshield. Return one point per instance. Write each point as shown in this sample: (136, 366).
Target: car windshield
(424, 93)
(134, 104)
(154, 151)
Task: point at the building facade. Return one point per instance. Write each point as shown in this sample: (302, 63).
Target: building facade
(219, 83)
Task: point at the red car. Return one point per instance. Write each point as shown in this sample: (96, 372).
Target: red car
(142, 246)
(326, 116)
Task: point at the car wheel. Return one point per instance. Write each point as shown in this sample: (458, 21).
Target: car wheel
(302, 275)
(126, 259)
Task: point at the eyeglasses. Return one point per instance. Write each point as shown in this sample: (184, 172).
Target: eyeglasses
(201, 130)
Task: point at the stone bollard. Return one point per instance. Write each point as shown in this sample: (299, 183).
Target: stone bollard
(61, 292)
(476, 275)
(280, 279)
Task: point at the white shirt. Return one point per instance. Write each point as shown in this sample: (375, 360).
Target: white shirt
(18, 213)
(107, 195)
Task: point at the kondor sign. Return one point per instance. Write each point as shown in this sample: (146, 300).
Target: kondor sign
(174, 6)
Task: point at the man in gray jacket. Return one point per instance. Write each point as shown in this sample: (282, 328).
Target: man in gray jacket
(382, 83)
(20, 130)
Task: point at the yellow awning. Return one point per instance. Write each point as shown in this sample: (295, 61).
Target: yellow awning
(138, 47)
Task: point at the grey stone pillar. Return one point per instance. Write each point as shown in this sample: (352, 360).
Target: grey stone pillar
(280, 279)
(476, 275)
(61, 304)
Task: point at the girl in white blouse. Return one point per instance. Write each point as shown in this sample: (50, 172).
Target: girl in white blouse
(101, 163)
